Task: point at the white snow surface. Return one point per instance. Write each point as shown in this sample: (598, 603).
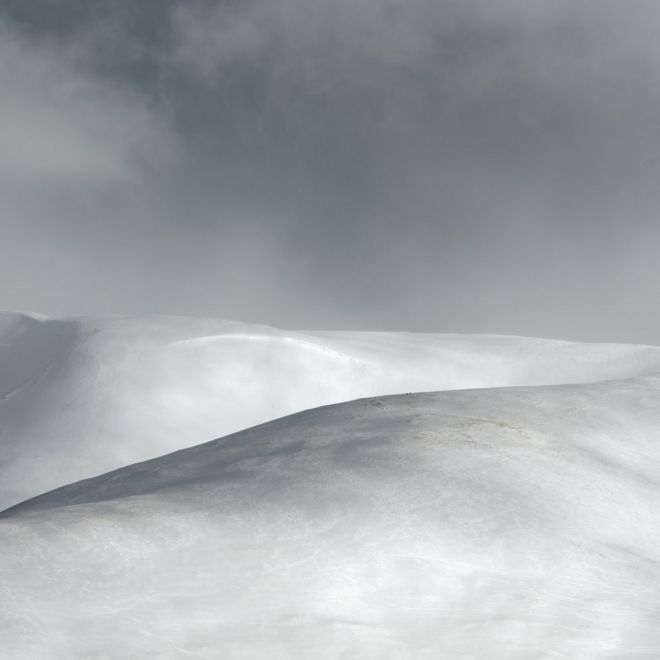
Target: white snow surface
(81, 396)
(498, 524)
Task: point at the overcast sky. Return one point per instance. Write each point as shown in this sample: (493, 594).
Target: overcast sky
(435, 165)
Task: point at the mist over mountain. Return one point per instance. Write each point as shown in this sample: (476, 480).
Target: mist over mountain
(329, 329)
(80, 396)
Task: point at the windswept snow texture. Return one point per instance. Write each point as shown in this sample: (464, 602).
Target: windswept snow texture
(502, 524)
(82, 396)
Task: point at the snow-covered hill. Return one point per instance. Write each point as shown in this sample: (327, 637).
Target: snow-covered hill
(82, 396)
(502, 524)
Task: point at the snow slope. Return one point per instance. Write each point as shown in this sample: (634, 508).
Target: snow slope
(82, 396)
(503, 524)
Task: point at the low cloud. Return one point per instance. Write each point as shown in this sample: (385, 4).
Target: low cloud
(61, 125)
(420, 164)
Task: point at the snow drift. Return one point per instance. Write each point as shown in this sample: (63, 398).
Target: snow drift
(82, 396)
(500, 524)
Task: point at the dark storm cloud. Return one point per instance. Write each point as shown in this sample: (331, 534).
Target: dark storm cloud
(467, 166)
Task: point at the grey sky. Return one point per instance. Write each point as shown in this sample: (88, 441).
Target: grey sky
(468, 166)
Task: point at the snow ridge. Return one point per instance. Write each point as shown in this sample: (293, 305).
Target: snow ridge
(512, 515)
(87, 395)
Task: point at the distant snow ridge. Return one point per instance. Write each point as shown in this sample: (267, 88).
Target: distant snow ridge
(508, 523)
(82, 396)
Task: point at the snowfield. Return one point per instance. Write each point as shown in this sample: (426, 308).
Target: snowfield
(79, 397)
(514, 515)
(497, 523)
